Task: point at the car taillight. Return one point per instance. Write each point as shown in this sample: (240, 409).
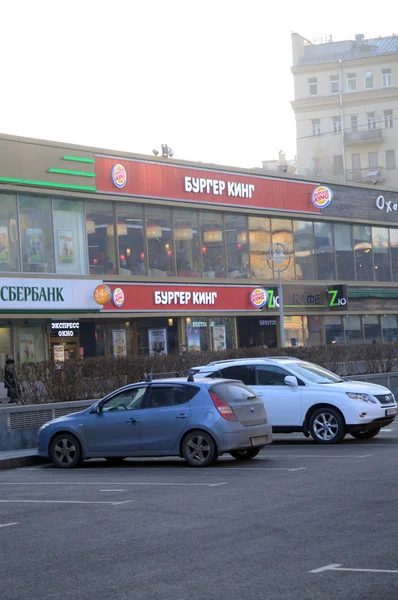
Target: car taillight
(223, 407)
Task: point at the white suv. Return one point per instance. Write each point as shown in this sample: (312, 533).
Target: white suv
(302, 396)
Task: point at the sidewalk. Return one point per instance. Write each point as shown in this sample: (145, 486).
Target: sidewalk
(13, 459)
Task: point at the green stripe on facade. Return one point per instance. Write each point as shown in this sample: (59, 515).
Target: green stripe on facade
(79, 159)
(67, 172)
(68, 186)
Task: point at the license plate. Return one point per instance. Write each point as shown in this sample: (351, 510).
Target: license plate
(258, 441)
(390, 412)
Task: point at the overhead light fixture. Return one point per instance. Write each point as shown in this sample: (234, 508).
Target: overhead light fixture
(155, 152)
(153, 231)
(183, 233)
(121, 229)
(90, 226)
(241, 238)
(212, 235)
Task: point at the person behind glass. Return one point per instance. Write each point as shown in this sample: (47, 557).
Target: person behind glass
(10, 379)
(183, 349)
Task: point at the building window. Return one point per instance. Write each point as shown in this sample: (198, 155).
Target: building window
(363, 252)
(334, 84)
(373, 160)
(237, 246)
(197, 334)
(313, 86)
(354, 123)
(372, 329)
(282, 232)
(388, 120)
(304, 249)
(353, 329)
(69, 236)
(386, 78)
(390, 328)
(130, 235)
(381, 254)
(316, 126)
(344, 252)
(337, 125)
(317, 166)
(394, 253)
(260, 241)
(29, 341)
(324, 250)
(369, 80)
(338, 165)
(187, 243)
(222, 333)
(36, 234)
(101, 238)
(334, 330)
(371, 120)
(9, 238)
(160, 241)
(390, 159)
(213, 244)
(351, 82)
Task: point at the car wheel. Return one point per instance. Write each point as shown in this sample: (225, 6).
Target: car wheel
(245, 454)
(327, 426)
(199, 449)
(65, 451)
(115, 460)
(365, 434)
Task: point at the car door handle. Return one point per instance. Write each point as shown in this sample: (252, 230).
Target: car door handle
(182, 416)
(132, 420)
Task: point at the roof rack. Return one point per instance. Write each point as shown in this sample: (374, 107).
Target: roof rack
(150, 376)
(190, 377)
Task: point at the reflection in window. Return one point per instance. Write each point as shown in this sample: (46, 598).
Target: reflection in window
(197, 334)
(296, 331)
(29, 339)
(394, 253)
(334, 331)
(363, 252)
(260, 242)
(372, 329)
(9, 239)
(344, 252)
(304, 249)
(390, 328)
(213, 244)
(130, 219)
(187, 243)
(324, 250)
(282, 233)
(315, 331)
(69, 235)
(222, 333)
(36, 233)
(353, 329)
(381, 254)
(237, 245)
(160, 243)
(101, 238)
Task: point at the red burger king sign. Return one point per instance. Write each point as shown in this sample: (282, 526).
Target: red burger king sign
(259, 297)
(322, 196)
(119, 175)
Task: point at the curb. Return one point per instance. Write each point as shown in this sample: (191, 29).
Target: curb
(21, 461)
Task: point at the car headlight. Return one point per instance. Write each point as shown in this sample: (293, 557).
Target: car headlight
(363, 397)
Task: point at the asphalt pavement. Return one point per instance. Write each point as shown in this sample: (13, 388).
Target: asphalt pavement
(299, 522)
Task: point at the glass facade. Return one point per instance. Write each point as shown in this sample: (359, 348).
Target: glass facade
(36, 230)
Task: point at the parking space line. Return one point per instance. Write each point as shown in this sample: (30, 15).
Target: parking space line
(338, 567)
(318, 455)
(8, 524)
(114, 483)
(65, 502)
(112, 490)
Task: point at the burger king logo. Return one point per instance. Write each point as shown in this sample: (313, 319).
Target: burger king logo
(102, 294)
(118, 297)
(119, 176)
(322, 196)
(259, 297)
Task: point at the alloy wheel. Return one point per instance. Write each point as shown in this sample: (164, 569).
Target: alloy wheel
(65, 451)
(198, 449)
(325, 426)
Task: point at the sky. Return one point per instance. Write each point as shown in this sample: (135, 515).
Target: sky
(210, 78)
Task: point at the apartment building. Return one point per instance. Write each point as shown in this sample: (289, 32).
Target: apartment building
(346, 109)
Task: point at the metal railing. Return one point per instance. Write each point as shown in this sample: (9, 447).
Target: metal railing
(368, 175)
(363, 136)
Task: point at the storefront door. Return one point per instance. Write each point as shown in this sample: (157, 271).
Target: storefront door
(257, 332)
(5, 346)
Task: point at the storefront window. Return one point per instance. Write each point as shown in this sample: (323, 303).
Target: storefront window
(260, 242)
(390, 328)
(363, 252)
(372, 329)
(160, 242)
(101, 238)
(381, 254)
(29, 340)
(315, 331)
(282, 233)
(9, 238)
(157, 336)
(394, 253)
(344, 252)
(222, 333)
(324, 251)
(213, 245)
(187, 243)
(256, 332)
(5, 346)
(69, 233)
(130, 219)
(197, 334)
(237, 246)
(353, 329)
(296, 331)
(334, 331)
(304, 249)
(36, 233)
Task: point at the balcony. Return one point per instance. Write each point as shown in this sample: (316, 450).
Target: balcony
(371, 176)
(367, 136)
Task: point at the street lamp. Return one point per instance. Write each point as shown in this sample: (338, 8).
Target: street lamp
(278, 258)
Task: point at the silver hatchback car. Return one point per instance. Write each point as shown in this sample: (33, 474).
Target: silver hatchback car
(197, 419)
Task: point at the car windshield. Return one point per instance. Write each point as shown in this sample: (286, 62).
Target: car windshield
(314, 373)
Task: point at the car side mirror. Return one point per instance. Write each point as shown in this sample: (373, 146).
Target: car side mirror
(291, 380)
(97, 409)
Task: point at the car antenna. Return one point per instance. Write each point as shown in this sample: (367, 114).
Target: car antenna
(190, 377)
(148, 378)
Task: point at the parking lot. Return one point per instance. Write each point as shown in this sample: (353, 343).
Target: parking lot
(300, 521)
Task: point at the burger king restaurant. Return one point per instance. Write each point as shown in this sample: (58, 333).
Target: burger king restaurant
(106, 253)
